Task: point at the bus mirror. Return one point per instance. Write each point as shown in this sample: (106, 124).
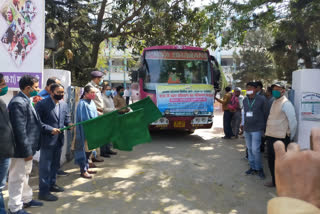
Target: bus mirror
(134, 76)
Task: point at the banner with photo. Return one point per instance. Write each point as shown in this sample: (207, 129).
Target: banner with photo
(185, 99)
(22, 27)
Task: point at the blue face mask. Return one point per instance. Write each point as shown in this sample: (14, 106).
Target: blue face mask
(108, 93)
(276, 94)
(101, 81)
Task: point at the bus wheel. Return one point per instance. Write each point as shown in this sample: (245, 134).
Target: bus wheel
(190, 131)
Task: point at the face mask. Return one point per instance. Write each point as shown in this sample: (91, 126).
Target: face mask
(276, 94)
(4, 91)
(101, 81)
(91, 96)
(58, 97)
(108, 93)
(121, 93)
(249, 92)
(33, 93)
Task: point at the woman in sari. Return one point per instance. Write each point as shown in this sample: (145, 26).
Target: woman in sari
(86, 110)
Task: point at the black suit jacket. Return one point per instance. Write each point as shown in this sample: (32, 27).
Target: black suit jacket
(26, 126)
(50, 120)
(7, 137)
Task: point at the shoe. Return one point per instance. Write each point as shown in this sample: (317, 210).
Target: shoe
(19, 212)
(261, 174)
(251, 172)
(62, 173)
(226, 138)
(56, 188)
(33, 203)
(91, 172)
(85, 175)
(92, 165)
(48, 197)
(269, 184)
(112, 152)
(105, 156)
(97, 160)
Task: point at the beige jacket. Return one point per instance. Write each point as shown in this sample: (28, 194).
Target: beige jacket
(284, 205)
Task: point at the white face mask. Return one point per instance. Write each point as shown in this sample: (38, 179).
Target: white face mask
(249, 92)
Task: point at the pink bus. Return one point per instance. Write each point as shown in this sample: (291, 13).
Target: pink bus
(181, 81)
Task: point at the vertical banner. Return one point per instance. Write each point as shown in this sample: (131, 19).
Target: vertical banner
(22, 27)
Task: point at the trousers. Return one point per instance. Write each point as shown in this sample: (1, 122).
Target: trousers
(19, 190)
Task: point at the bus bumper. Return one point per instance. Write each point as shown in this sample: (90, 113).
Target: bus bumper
(183, 123)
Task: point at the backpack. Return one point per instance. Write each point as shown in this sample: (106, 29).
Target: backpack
(234, 104)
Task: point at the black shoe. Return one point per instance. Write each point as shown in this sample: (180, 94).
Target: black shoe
(48, 197)
(226, 137)
(62, 173)
(112, 152)
(105, 155)
(251, 172)
(261, 174)
(56, 188)
(33, 203)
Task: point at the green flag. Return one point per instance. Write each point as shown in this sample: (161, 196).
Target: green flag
(99, 131)
(151, 111)
(124, 131)
(131, 131)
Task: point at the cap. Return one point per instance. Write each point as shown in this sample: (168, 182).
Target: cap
(280, 84)
(96, 74)
(237, 89)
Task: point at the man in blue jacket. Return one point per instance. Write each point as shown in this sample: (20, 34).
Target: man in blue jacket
(54, 115)
(6, 141)
(26, 128)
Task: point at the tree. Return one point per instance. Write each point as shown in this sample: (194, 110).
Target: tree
(294, 25)
(254, 62)
(83, 25)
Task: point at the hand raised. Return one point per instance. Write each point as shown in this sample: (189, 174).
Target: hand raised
(298, 172)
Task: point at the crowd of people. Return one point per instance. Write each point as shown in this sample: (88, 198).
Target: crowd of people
(33, 121)
(262, 117)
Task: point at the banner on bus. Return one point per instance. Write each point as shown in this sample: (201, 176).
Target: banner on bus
(22, 26)
(185, 99)
(177, 55)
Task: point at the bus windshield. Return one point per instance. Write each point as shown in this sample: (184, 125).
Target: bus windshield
(176, 67)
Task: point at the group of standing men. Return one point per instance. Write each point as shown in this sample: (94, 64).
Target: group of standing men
(28, 126)
(265, 116)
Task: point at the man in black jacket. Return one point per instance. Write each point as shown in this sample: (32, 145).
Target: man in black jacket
(26, 128)
(6, 141)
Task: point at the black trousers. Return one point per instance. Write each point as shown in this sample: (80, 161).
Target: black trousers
(227, 117)
(271, 154)
(105, 149)
(127, 100)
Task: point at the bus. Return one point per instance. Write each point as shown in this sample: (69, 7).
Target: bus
(181, 81)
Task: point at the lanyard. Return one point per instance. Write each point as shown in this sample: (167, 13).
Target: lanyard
(251, 105)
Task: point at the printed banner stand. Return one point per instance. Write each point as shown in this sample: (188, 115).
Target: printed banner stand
(22, 26)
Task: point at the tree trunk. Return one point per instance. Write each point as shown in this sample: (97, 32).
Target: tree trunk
(100, 38)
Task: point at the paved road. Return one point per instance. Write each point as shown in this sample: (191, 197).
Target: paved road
(177, 173)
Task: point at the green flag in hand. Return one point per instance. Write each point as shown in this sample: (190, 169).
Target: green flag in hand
(151, 111)
(131, 131)
(99, 131)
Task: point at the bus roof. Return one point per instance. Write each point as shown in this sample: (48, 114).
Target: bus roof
(174, 47)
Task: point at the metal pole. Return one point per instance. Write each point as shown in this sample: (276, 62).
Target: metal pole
(110, 62)
(125, 69)
(53, 64)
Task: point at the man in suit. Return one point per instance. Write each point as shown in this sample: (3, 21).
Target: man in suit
(26, 128)
(54, 115)
(6, 141)
(45, 93)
